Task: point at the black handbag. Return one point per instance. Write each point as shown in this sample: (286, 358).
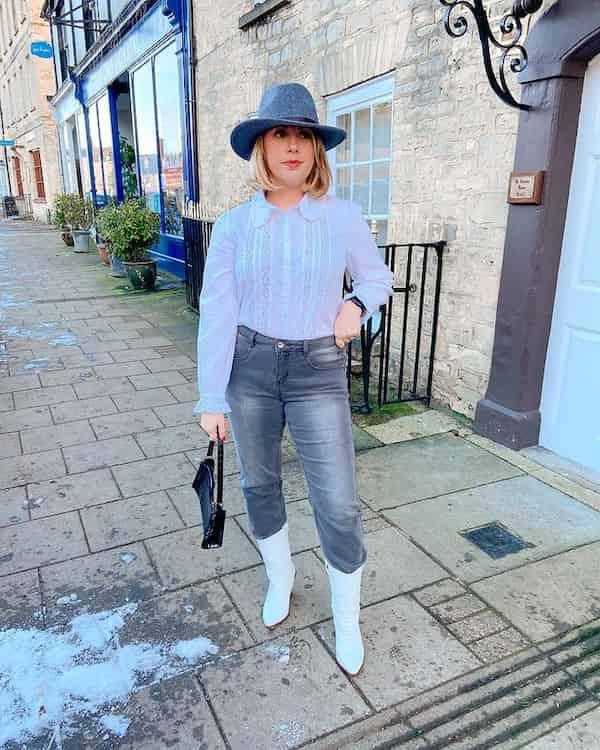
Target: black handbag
(213, 513)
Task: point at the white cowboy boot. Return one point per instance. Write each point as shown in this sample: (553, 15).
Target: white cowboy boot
(345, 605)
(275, 552)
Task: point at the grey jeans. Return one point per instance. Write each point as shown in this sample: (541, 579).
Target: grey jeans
(301, 383)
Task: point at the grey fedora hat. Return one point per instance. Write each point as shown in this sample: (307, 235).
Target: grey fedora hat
(283, 104)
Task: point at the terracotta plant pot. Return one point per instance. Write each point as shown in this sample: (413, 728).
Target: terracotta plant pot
(67, 238)
(102, 248)
(142, 275)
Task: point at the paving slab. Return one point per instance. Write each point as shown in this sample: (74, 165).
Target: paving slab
(186, 501)
(140, 477)
(124, 521)
(40, 542)
(13, 506)
(101, 454)
(402, 473)
(71, 492)
(10, 445)
(496, 647)
(98, 582)
(135, 355)
(165, 440)
(120, 370)
(54, 394)
(180, 560)
(407, 651)
(180, 362)
(83, 409)
(171, 713)
(200, 611)
(20, 600)
(157, 379)
(176, 414)
(19, 383)
(39, 439)
(132, 401)
(310, 602)
(525, 506)
(103, 387)
(186, 392)
(6, 402)
(548, 597)
(430, 422)
(439, 592)
(125, 423)
(302, 528)
(272, 696)
(582, 733)
(21, 419)
(34, 467)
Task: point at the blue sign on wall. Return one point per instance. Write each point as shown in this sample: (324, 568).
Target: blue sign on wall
(41, 49)
(7, 143)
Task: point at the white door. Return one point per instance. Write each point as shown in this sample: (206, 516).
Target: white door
(570, 405)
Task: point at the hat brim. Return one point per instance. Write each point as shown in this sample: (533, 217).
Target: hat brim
(245, 133)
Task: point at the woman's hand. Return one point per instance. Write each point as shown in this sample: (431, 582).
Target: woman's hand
(209, 421)
(347, 324)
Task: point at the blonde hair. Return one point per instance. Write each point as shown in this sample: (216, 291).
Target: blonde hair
(317, 182)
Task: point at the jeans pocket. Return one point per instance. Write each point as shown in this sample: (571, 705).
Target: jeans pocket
(243, 347)
(326, 358)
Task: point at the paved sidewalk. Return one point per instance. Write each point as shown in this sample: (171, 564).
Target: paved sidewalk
(118, 631)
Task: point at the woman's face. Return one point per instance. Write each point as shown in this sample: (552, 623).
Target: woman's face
(290, 154)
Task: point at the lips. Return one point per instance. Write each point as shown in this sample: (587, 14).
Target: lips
(292, 163)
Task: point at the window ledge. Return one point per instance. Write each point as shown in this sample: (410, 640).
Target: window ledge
(260, 11)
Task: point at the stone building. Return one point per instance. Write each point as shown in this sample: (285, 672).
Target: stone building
(26, 82)
(429, 155)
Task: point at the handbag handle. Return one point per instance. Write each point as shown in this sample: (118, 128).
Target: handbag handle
(220, 459)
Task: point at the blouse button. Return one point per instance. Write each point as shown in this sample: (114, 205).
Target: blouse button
(280, 344)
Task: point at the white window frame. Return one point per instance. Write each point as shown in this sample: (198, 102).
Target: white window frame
(370, 93)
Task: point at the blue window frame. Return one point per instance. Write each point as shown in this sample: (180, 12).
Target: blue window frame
(103, 156)
(157, 110)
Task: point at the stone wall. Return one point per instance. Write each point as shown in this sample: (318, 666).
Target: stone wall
(453, 140)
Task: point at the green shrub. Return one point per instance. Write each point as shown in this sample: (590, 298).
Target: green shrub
(73, 212)
(130, 227)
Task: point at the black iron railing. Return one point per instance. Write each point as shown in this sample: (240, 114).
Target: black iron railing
(397, 345)
(16, 206)
(394, 359)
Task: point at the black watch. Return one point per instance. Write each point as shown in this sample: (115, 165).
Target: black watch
(358, 303)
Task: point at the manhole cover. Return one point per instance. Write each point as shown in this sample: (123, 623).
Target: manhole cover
(496, 540)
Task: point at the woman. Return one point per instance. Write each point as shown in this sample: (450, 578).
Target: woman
(271, 346)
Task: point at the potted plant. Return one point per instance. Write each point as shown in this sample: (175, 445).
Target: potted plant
(78, 215)
(102, 244)
(132, 229)
(58, 219)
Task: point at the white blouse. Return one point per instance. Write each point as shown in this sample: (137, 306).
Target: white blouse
(281, 272)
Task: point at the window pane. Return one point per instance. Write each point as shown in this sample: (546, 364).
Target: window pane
(169, 132)
(362, 130)
(83, 154)
(342, 151)
(343, 177)
(361, 187)
(382, 130)
(107, 149)
(381, 187)
(96, 152)
(143, 95)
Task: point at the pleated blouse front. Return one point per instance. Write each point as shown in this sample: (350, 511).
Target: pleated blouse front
(280, 272)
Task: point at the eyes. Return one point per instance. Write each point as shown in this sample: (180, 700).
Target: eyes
(284, 131)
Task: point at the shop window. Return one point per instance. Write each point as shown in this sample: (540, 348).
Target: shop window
(38, 174)
(157, 111)
(18, 175)
(81, 152)
(169, 139)
(361, 163)
(102, 150)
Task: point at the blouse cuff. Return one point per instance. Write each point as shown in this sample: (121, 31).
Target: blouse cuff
(214, 404)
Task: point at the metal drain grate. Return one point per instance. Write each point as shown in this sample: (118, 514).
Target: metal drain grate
(496, 540)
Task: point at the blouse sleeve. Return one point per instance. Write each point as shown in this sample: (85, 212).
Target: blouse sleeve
(219, 315)
(372, 279)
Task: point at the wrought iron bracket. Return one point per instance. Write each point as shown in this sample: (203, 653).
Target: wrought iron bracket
(514, 55)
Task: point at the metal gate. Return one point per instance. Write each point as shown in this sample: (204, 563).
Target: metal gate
(394, 359)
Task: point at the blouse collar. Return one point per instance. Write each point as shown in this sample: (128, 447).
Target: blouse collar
(311, 208)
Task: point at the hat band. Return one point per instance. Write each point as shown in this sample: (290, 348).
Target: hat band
(291, 117)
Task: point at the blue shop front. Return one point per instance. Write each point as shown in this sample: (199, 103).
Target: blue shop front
(124, 122)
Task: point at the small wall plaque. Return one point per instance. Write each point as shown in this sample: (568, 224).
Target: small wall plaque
(526, 187)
